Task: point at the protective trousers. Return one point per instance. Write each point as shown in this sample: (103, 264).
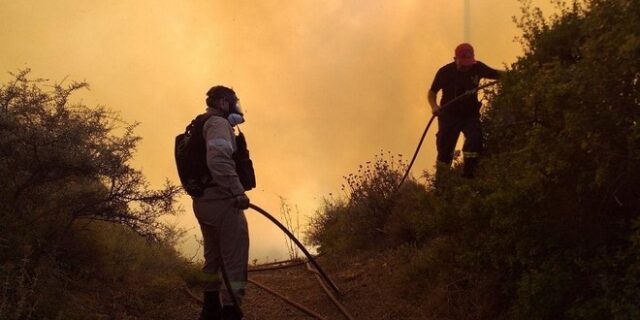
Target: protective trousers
(449, 128)
(226, 238)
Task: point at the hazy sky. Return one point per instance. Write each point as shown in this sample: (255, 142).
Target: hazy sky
(325, 85)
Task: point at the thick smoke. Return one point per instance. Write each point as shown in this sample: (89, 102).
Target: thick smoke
(467, 20)
(325, 84)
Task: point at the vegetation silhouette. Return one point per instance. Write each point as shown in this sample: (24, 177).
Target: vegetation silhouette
(80, 229)
(550, 229)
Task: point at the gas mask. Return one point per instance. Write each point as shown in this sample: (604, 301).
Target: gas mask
(235, 116)
(235, 119)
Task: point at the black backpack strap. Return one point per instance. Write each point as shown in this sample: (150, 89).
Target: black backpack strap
(200, 120)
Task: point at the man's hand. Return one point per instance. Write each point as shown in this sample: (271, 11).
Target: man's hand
(241, 201)
(435, 110)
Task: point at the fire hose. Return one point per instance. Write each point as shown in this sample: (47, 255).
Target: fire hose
(324, 276)
(317, 269)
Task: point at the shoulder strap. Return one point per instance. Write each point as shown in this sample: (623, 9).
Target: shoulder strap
(200, 120)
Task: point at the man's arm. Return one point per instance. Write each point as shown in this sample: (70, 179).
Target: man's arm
(219, 155)
(490, 73)
(436, 86)
(431, 97)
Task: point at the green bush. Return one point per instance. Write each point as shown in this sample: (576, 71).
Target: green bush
(364, 218)
(80, 229)
(550, 227)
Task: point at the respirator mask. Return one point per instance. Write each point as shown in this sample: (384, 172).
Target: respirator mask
(236, 116)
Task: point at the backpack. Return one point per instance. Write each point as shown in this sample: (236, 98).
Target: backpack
(191, 159)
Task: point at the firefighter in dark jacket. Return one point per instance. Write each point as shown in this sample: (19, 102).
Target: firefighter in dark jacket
(454, 79)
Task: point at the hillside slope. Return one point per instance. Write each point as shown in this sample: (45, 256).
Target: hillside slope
(368, 283)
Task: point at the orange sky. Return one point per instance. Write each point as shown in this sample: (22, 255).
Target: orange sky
(325, 85)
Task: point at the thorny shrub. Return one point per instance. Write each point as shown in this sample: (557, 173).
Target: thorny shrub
(360, 219)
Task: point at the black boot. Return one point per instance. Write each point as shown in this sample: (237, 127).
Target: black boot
(470, 165)
(230, 313)
(211, 307)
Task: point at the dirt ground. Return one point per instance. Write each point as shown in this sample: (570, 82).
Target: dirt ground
(368, 293)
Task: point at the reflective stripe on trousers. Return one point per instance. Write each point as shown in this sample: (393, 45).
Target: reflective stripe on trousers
(449, 129)
(468, 154)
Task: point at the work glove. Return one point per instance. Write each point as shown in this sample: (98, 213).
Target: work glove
(241, 201)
